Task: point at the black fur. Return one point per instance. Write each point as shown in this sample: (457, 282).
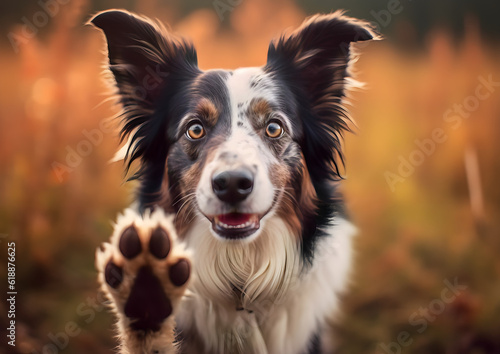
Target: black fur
(315, 345)
(312, 65)
(151, 68)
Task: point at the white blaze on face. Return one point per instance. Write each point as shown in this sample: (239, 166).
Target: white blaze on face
(243, 148)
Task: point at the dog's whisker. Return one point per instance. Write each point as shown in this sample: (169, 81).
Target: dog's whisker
(188, 199)
(290, 195)
(184, 197)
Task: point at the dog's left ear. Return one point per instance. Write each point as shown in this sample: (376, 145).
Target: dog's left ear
(313, 61)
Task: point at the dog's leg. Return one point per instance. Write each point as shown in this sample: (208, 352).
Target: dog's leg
(144, 271)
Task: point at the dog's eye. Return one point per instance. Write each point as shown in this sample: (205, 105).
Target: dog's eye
(274, 130)
(195, 131)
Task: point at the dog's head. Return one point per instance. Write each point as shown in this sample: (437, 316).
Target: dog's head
(235, 147)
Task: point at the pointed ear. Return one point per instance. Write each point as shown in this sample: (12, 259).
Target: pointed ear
(149, 66)
(141, 55)
(314, 62)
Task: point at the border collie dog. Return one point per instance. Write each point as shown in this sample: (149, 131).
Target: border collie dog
(238, 242)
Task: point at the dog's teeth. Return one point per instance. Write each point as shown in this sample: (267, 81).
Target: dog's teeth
(246, 224)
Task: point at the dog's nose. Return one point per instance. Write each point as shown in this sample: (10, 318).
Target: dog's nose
(232, 186)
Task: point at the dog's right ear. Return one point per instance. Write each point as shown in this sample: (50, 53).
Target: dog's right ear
(149, 65)
(142, 55)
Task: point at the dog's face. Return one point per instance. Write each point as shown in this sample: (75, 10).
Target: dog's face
(234, 146)
(230, 149)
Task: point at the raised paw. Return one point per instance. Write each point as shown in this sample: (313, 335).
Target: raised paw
(145, 272)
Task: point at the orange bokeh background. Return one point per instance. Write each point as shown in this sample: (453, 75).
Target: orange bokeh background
(440, 223)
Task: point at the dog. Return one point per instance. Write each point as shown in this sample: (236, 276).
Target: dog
(239, 241)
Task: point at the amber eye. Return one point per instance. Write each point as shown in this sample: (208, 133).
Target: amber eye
(274, 130)
(195, 131)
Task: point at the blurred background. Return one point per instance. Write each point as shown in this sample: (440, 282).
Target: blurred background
(421, 182)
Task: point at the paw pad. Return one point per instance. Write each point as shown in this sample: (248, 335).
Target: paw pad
(130, 244)
(179, 272)
(113, 275)
(159, 244)
(147, 305)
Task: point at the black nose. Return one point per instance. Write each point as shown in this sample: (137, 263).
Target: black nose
(232, 186)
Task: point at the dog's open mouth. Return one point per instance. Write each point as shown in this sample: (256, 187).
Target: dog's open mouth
(235, 225)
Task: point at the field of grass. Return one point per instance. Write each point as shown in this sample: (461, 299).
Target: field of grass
(421, 182)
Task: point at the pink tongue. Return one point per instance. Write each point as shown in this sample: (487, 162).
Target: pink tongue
(234, 219)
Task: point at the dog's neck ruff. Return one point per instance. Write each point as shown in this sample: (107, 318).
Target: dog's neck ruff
(247, 275)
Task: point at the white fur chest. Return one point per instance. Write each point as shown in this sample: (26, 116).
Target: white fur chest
(281, 307)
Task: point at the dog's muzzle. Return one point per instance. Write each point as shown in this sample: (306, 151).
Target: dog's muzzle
(233, 187)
